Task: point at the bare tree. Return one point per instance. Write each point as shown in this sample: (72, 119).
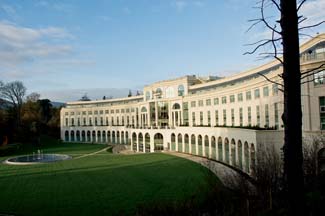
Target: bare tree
(33, 97)
(14, 92)
(285, 42)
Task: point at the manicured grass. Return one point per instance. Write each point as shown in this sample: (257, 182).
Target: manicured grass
(102, 184)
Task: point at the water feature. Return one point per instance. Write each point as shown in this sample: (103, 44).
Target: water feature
(37, 158)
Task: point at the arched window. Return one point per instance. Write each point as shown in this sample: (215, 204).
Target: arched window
(147, 95)
(159, 93)
(143, 109)
(180, 90)
(176, 106)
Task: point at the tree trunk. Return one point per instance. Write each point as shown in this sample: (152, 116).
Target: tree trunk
(293, 158)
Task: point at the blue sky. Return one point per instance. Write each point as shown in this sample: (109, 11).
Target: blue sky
(63, 49)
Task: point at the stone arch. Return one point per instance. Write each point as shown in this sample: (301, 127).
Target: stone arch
(213, 148)
(127, 138)
(134, 141)
(113, 137)
(233, 152)
(173, 142)
(99, 137)
(118, 141)
(253, 159)
(83, 136)
(109, 137)
(159, 142)
(66, 136)
(206, 146)
(140, 142)
(88, 136)
(147, 142)
(72, 136)
(186, 143)
(240, 154)
(227, 158)
(122, 138)
(78, 136)
(220, 149)
(180, 142)
(93, 136)
(104, 136)
(193, 144)
(200, 147)
(246, 157)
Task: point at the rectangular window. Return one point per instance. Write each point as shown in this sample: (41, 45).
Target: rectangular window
(200, 103)
(106, 121)
(248, 95)
(193, 104)
(71, 113)
(232, 117)
(209, 118)
(84, 112)
(216, 101)
(275, 89)
(95, 112)
(232, 98)
(117, 111)
(241, 116)
(267, 119)
(193, 118)
(240, 97)
(257, 93)
(266, 91)
(217, 117)
(322, 112)
(122, 110)
(101, 112)
(319, 78)
(276, 115)
(84, 122)
(201, 118)
(208, 102)
(66, 113)
(249, 112)
(112, 111)
(90, 112)
(258, 117)
(106, 111)
(66, 122)
(224, 117)
(224, 100)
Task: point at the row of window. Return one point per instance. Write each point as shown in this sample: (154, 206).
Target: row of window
(240, 97)
(128, 110)
(224, 116)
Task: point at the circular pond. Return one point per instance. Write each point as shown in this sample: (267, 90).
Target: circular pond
(36, 159)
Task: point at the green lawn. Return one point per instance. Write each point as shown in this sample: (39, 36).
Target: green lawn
(101, 184)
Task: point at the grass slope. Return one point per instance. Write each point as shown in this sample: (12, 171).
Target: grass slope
(97, 185)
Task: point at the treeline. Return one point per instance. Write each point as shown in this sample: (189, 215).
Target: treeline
(25, 118)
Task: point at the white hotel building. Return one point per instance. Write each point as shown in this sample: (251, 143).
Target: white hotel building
(227, 119)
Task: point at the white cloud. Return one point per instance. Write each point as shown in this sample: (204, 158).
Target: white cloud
(20, 44)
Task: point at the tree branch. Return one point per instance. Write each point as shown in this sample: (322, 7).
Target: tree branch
(312, 26)
(280, 84)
